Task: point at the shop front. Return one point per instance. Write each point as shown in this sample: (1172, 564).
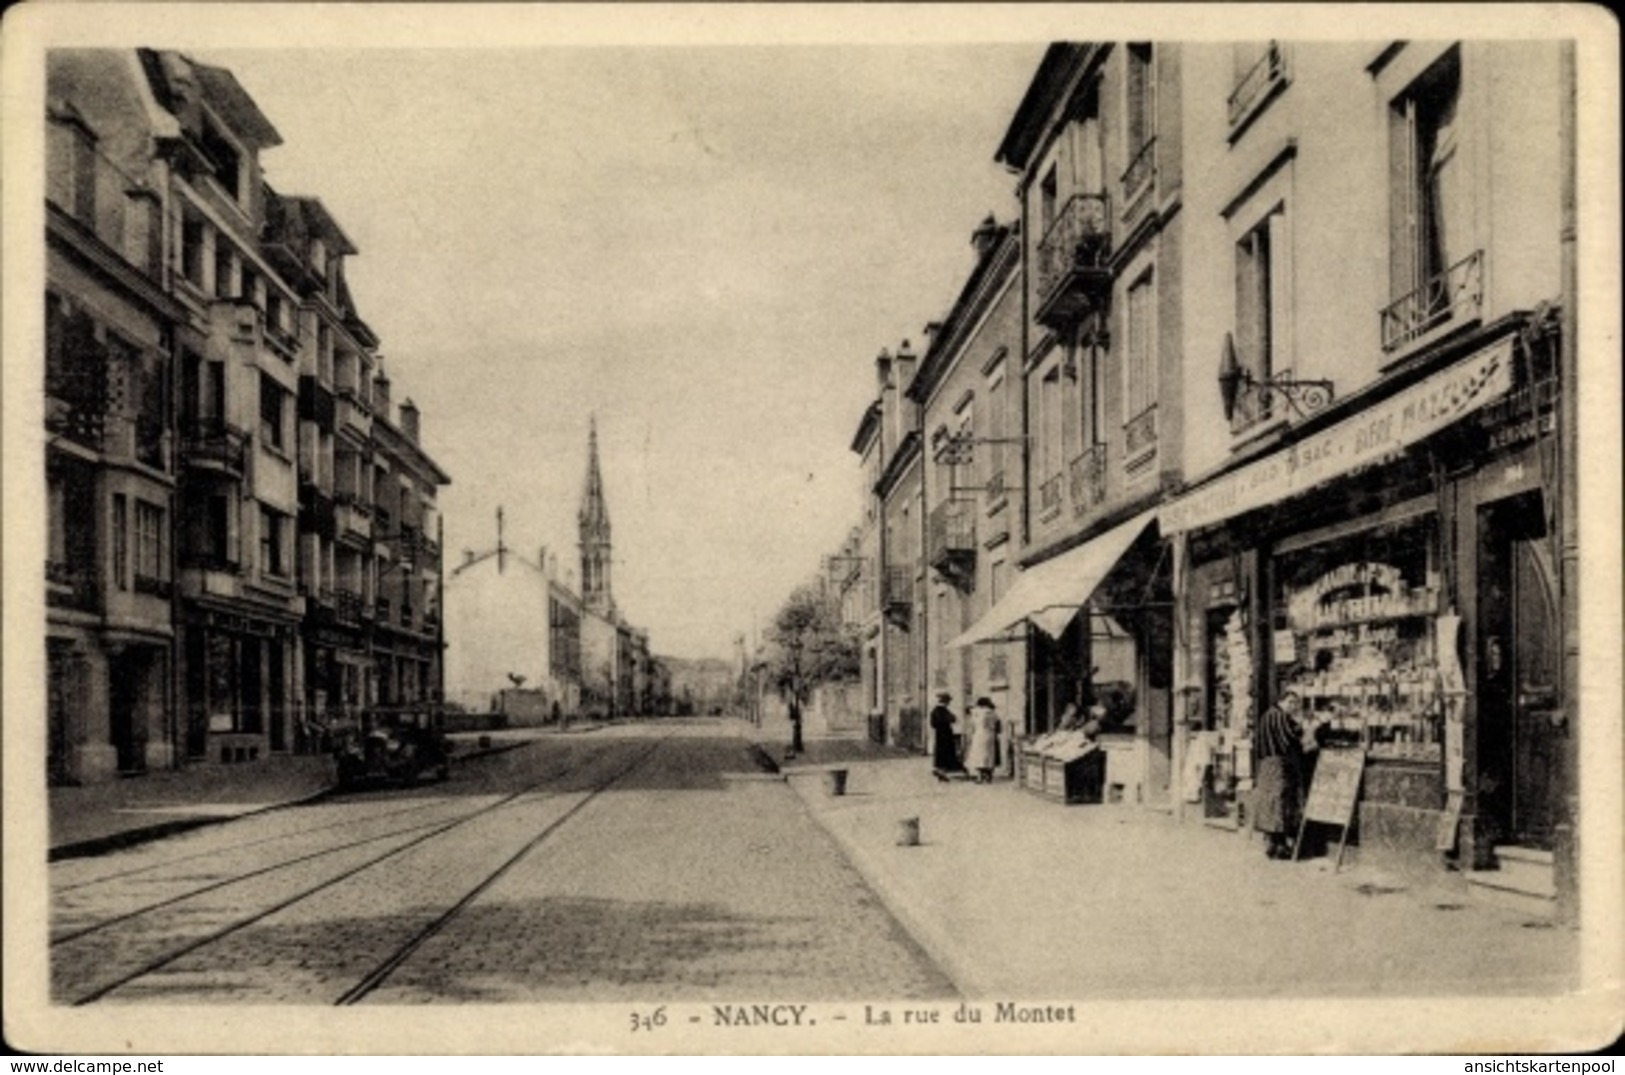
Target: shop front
(239, 681)
(1396, 570)
(1096, 625)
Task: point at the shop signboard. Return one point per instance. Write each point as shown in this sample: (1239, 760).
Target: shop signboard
(1332, 794)
(1368, 437)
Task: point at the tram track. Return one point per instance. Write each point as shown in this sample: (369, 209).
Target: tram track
(172, 953)
(576, 764)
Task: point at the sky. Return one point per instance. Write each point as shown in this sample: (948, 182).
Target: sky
(703, 246)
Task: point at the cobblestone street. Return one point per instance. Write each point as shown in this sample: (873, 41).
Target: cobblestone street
(643, 861)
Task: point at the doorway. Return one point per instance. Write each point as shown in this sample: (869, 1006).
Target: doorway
(1519, 637)
(126, 679)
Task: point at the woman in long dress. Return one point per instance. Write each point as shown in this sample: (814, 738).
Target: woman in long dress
(945, 745)
(1278, 799)
(982, 753)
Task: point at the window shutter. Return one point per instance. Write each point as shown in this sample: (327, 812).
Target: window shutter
(1406, 249)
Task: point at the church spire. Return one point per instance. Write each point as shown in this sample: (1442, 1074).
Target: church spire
(593, 520)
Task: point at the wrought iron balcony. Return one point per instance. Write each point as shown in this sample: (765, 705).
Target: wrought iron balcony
(1256, 84)
(347, 606)
(1072, 275)
(1458, 292)
(1140, 436)
(951, 540)
(76, 404)
(215, 444)
(897, 594)
(1138, 180)
(71, 586)
(1049, 495)
(210, 560)
(152, 585)
(1087, 479)
(995, 487)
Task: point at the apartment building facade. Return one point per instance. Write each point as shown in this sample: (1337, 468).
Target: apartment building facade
(1378, 332)
(111, 451)
(971, 421)
(206, 475)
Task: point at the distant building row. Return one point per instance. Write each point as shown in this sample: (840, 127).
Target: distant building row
(243, 541)
(528, 646)
(1269, 382)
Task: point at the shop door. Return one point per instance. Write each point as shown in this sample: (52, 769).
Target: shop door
(124, 702)
(1518, 672)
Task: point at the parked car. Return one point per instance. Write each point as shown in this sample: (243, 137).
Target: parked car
(396, 747)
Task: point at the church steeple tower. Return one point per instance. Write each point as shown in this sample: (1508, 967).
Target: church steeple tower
(593, 521)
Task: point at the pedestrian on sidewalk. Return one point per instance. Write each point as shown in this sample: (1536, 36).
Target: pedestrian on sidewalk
(945, 746)
(982, 754)
(1278, 798)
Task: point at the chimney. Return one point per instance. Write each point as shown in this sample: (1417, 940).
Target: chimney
(409, 420)
(883, 369)
(380, 393)
(985, 237)
(905, 363)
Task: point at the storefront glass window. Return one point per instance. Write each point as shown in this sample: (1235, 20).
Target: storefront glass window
(1354, 631)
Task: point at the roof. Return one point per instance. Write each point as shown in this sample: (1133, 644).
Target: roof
(1000, 255)
(299, 216)
(1060, 63)
(868, 425)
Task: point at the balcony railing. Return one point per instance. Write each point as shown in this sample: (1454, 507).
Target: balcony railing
(1049, 495)
(214, 442)
(995, 487)
(1072, 259)
(1456, 292)
(76, 404)
(1140, 168)
(951, 538)
(208, 560)
(897, 587)
(381, 609)
(1263, 76)
(152, 585)
(1087, 479)
(346, 606)
(71, 586)
(406, 616)
(1140, 435)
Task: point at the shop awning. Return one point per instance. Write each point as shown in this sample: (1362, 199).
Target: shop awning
(1368, 437)
(1051, 594)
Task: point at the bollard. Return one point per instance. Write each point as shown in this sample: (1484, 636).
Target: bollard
(908, 832)
(835, 781)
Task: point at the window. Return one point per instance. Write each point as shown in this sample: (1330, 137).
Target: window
(1140, 119)
(192, 248)
(1436, 268)
(1048, 192)
(121, 542)
(273, 551)
(318, 257)
(225, 157)
(273, 405)
(1259, 67)
(149, 541)
(1263, 334)
(1139, 370)
(993, 476)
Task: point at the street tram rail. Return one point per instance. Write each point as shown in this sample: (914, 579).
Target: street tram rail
(282, 837)
(381, 972)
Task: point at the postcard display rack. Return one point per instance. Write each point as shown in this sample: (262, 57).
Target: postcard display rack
(1064, 766)
(1361, 646)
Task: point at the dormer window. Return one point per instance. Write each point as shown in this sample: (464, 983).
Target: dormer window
(225, 157)
(318, 257)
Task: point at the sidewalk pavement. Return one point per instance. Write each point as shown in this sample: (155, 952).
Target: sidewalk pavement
(98, 818)
(1018, 896)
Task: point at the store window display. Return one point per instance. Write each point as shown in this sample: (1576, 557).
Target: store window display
(1355, 633)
